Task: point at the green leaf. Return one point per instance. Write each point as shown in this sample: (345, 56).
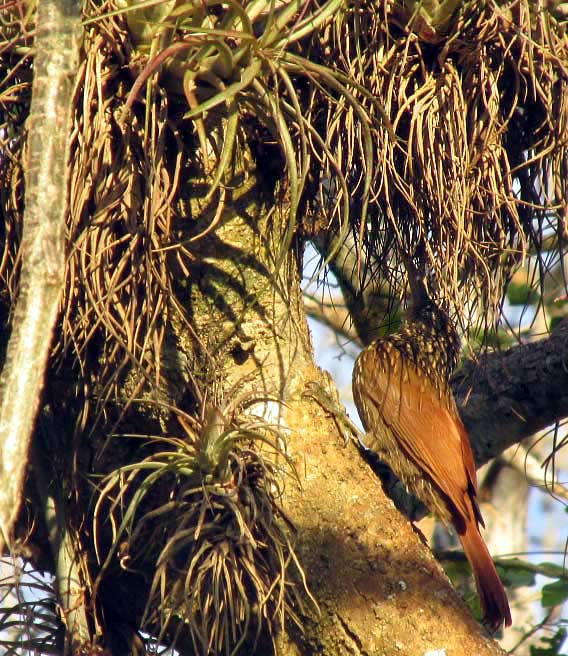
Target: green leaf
(517, 577)
(521, 294)
(554, 594)
(457, 570)
(552, 570)
(553, 647)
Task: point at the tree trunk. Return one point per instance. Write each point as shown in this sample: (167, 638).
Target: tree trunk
(378, 588)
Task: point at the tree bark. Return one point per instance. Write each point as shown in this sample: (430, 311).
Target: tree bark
(506, 397)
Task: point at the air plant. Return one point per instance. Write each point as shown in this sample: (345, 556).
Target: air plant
(226, 568)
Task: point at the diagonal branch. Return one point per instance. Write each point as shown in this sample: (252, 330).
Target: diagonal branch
(506, 397)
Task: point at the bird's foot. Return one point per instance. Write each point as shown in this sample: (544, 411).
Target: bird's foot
(327, 398)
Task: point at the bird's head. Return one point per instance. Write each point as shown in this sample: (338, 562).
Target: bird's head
(429, 318)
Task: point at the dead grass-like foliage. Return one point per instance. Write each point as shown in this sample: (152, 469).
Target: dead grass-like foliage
(16, 37)
(125, 174)
(477, 98)
(445, 133)
(226, 564)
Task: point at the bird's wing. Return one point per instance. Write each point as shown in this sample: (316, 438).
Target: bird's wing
(426, 425)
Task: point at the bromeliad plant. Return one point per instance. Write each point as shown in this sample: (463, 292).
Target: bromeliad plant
(226, 568)
(238, 57)
(244, 57)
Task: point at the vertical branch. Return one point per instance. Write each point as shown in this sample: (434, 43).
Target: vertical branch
(69, 580)
(42, 251)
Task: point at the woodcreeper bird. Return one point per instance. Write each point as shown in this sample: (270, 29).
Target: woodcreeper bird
(401, 389)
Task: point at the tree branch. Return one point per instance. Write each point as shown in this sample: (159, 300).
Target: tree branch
(42, 251)
(506, 397)
(334, 316)
(370, 294)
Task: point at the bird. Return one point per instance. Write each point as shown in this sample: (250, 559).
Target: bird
(402, 392)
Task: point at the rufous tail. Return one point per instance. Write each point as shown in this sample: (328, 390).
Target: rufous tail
(489, 587)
